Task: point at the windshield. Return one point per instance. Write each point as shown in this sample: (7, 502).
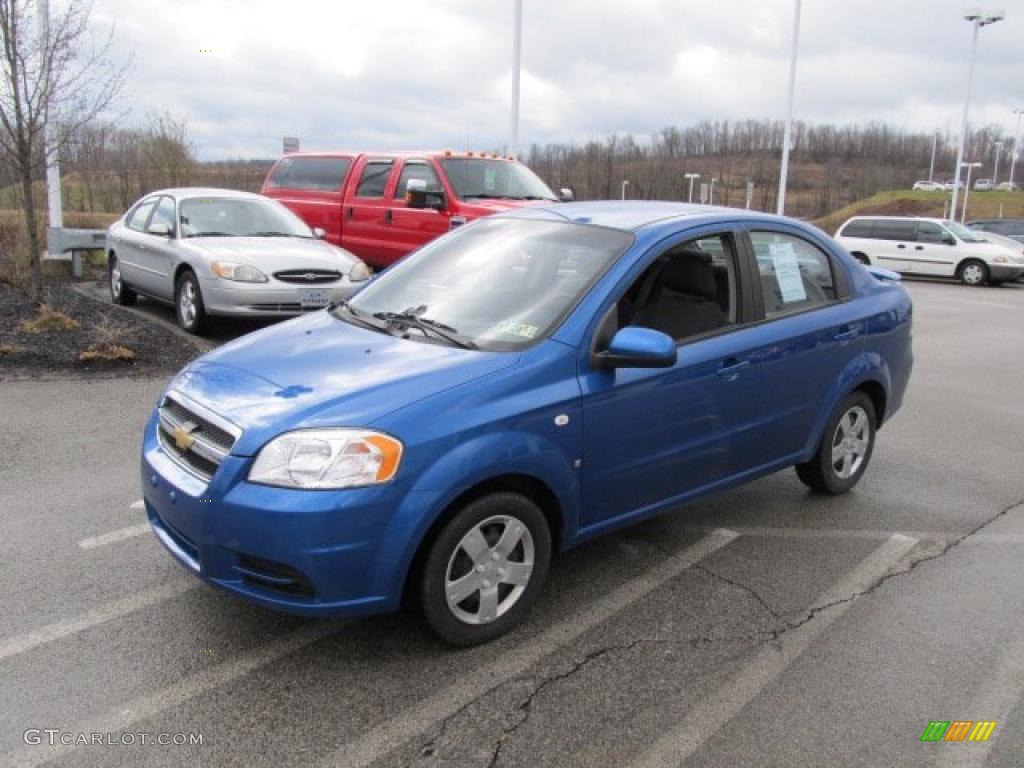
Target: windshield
(965, 234)
(238, 217)
(501, 179)
(502, 284)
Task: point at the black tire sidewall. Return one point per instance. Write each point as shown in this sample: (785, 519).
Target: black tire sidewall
(200, 308)
(126, 295)
(431, 580)
(833, 482)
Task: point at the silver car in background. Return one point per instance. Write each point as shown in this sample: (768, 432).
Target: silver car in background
(221, 252)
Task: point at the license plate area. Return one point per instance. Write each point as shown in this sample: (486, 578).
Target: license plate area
(312, 298)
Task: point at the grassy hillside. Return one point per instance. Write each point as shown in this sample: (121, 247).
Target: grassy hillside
(980, 205)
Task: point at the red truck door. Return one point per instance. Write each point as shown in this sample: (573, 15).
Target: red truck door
(311, 186)
(364, 229)
(412, 227)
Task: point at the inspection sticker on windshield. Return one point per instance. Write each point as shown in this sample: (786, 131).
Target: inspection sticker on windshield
(787, 272)
(516, 328)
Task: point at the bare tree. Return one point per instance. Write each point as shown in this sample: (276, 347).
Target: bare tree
(52, 70)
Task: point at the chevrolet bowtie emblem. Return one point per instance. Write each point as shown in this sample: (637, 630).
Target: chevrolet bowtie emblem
(182, 435)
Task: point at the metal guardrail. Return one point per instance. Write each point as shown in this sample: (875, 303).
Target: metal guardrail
(65, 244)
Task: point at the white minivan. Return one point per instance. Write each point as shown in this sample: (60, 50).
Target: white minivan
(935, 247)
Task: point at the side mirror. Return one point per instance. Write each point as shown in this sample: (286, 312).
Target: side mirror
(159, 229)
(635, 347)
(566, 195)
(417, 196)
(319, 233)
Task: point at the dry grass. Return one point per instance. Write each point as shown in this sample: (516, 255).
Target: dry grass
(7, 349)
(980, 205)
(50, 319)
(107, 351)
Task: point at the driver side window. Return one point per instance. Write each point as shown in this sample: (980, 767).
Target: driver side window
(689, 290)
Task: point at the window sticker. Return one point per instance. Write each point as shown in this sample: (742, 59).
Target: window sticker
(516, 328)
(787, 272)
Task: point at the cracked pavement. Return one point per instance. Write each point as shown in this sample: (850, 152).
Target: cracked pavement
(930, 638)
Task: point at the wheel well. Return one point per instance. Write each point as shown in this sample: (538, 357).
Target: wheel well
(526, 485)
(965, 262)
(181, 269)
(876, 392)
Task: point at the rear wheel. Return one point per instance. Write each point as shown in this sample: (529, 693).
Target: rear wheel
(845, 450)
(188, 303)
(485, 569)
(973, 272)
(120, 293)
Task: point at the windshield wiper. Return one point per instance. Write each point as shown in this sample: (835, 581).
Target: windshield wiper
(211, 234)
(354, 314)
(271, 234)
(425, 324)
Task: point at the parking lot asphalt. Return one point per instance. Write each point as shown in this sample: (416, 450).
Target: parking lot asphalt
(765, 626)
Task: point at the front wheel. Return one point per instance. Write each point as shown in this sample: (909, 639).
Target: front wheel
(845, 451)
(188, 302)
(485, 569)
(974, 273)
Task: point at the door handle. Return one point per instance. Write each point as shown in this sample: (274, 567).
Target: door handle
(731, 367)
(351, 212)
(846, 333)
(901, 245)
(918, 247)
(387, 216)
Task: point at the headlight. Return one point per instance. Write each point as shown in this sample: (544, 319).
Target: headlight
(327, 458)
(359, 272)
(240, 273)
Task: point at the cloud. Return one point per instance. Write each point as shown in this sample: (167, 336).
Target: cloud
(398, 74)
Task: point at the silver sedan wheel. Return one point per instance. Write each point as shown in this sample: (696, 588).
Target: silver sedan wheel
(187, 302)
(850, 442)
(489, 570)
(115, 279)
(973, 274)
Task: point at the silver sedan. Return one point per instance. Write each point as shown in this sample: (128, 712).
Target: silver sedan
(221, 252)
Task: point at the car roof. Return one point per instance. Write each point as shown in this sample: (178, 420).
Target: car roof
(401, 153)
(897, 218)
(182, 192)
(633, 215)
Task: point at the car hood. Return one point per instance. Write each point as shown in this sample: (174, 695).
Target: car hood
(318, 371)
(486, 207)
(271, 254)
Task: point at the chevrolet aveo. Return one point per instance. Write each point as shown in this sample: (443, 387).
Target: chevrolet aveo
(513, 389)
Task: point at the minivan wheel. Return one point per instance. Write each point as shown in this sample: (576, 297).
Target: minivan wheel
(188, 303)
(485, 569)
(120, 293)
(974, 273)
(845, 450)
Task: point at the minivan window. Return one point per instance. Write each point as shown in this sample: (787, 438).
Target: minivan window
(893, 229)
(322, 173)
(930, 232)
(965, 234)
(374, 179)
(857, 228)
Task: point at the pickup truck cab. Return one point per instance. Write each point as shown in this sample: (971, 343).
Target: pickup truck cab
(382, 205)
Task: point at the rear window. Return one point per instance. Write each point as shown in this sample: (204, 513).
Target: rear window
(323, 173)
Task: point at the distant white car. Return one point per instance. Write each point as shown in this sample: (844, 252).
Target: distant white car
(928, 186)
(983, 185)
(1007, 186)
(935, 247)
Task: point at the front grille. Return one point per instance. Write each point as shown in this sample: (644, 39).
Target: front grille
(274, 576)
(283, 307)
(308, 276)
(193, 439)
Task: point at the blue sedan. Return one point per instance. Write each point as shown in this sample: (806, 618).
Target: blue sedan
(513, 389)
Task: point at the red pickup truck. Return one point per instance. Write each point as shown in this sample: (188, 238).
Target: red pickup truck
(381, 206)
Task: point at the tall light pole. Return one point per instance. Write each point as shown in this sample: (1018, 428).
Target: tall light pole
(784, 170)
(691, 177)
(995, 169)
(967, 191)
(931, 167)
(978, 20)
(625, 183)
(517, 44)
(1016, 145)
(53, 198)
(711, 192)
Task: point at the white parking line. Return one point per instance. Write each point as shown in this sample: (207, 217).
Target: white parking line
(99, 615)
(704, 719)
(119, 535)
(140, 504)
(864, 534)
(997, 698)
(392, 733)
(123, 716)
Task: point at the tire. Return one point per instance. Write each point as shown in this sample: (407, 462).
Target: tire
(480, 527)
(973, 272)
(120, 293)
(862, 259)
(850, 434)
(188, 303)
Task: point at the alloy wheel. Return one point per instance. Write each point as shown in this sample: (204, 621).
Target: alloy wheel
(851, 442)
(187, 302)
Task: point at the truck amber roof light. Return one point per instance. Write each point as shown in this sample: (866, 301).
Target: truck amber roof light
(447, 153)
(469, 154)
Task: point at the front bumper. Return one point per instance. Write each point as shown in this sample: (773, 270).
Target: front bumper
(313, 553)
(1005, 272)
(271, 299)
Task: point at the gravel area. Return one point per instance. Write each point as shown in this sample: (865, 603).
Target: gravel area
(55, 348)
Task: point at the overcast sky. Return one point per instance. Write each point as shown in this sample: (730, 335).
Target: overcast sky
(393, 74)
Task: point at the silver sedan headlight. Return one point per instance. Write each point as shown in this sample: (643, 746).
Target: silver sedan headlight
(359, 272)
(239, 273)
(327, 459)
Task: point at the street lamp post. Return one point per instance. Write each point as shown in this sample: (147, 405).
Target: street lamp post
(625, 183)
(967, 191)
(691, 177)
(784, 168)
(931, 166)
(1016, 145)
(995, 169)
(711, 192)
(978, 20)
(517, 44)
